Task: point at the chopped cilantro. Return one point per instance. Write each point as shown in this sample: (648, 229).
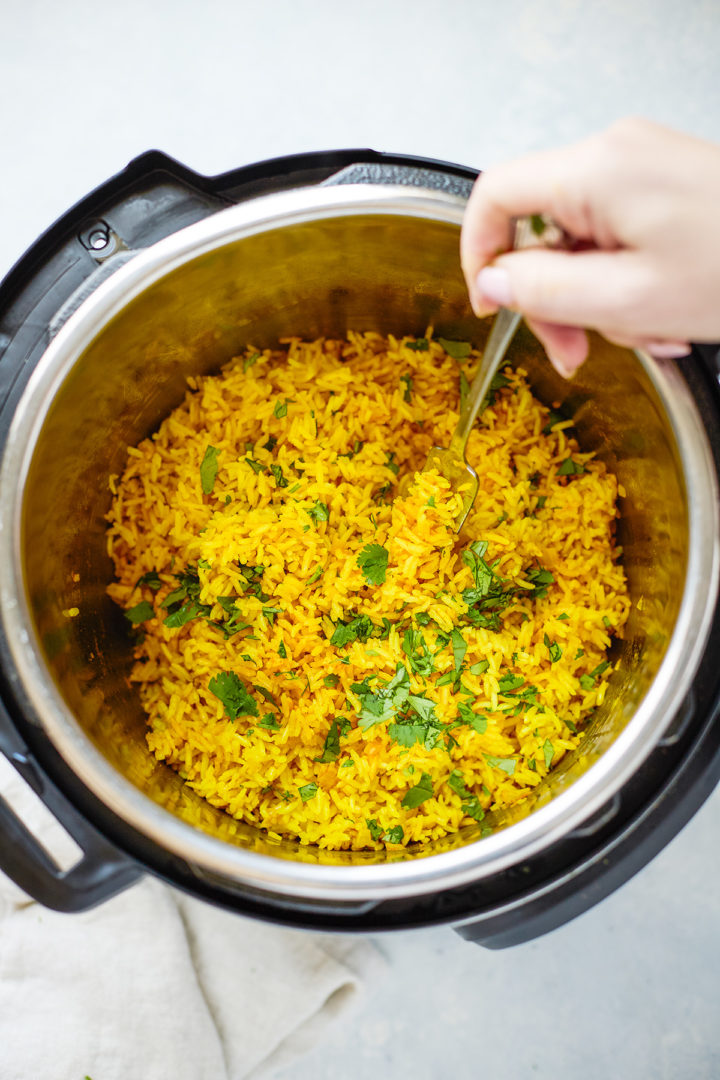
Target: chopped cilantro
(331, 680)
(509, 682)
(579, 653)
(271, 612)
(553, 418)
(249, 361)
(553, 648)
(151, 579)
(347, 764)
(419, 793)
(548, 753)
(208, 470)
(424, 708)
(280, 479)
(375, 829)
(358, 629)
(600, 668)
(234, 695)
(480, 668)
(541, 500)
(570, 468)
(384, 703)
(564, 616)
(506, 764)
(606, 623)
(417, 652)
(431, 501)
(477, 721)
(270, 444)
(256, 466)
(456, 783)
(394, 835)
(140, 613)
(269, 721)
(419, 345)
(282, 651)
(459, 648)
(308, 791)
(267, 694)
(373, 561)
(316, 575)
(587, 682)
(407, 393)
(319, 511)
(540, 579)
(185, 614)
(391, 465)
(459, 350)
(280, 409)
(331, 751)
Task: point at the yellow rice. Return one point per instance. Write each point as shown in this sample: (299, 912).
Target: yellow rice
(345, 422)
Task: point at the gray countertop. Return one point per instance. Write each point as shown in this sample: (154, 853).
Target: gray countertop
(630, 990)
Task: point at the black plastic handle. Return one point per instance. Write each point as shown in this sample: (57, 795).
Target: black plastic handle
(100, 873)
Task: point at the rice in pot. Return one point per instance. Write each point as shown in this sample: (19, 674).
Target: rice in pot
(329, 661)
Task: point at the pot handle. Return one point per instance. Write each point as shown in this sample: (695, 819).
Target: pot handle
(100, 873)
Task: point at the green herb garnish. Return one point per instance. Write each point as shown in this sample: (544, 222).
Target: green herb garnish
(151, 579)
(373, 561)
(208, 470)
(319, 511)
(394, 835)
(280, 479)
(459, 350)
(570, 468)
(375, 829)
(418, 794)
(548, 753)
(308, 791)
(234, 695)
(140, 613)
(256, 466)
(249, 361)
(506, 764)
(553, 648)
(331, 751)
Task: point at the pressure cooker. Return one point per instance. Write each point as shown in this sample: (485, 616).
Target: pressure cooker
(160, 274)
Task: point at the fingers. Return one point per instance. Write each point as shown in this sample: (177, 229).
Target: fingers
(553, 182)
(566, 346)
(587, 289)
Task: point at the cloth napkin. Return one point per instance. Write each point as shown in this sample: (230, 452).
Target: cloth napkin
(156, 985)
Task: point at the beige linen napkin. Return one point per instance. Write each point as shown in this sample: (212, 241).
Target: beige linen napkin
(153, 984)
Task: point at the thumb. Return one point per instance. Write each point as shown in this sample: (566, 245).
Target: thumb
(588, 289)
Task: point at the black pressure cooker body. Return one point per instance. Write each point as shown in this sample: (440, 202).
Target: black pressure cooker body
(154, 198)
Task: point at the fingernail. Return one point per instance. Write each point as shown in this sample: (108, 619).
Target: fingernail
(564, 367)
(493, 284)
(668, 350)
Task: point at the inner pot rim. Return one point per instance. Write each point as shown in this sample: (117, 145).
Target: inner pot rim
(414, 876)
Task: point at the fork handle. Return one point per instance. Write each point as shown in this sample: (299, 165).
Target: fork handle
(504, 327)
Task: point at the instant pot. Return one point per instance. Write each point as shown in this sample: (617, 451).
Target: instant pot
(160, 274)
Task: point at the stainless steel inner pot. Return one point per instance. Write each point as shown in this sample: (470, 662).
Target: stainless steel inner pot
(310, 262)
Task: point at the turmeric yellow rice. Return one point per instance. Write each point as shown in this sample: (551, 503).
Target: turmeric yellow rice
(328, 660)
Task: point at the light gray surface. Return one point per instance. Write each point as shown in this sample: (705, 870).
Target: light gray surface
(630, 990)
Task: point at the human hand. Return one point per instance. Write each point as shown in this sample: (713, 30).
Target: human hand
(643, 202)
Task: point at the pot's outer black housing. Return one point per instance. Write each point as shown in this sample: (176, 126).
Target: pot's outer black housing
(152, 198)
